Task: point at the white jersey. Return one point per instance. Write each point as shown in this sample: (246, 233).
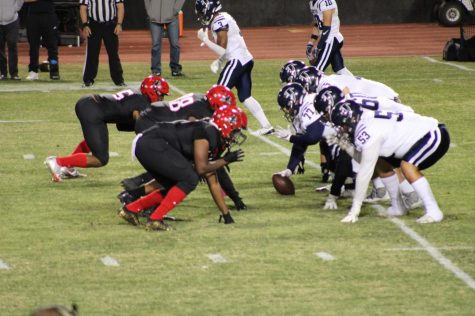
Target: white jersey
(368, 103)
(236, 47)
(317, 7)
(306, 115)
(358, 85)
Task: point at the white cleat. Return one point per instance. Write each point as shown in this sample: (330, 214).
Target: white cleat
(411, 200)
(54, 168)
(392, 212)
(32, 76)
(71, 173)
(325, 188)
(430, 218)
(264, 131)
(377, 195)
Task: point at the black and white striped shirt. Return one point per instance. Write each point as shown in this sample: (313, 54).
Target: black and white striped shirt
(101, 10)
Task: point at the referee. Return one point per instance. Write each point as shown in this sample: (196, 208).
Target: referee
(102, 20)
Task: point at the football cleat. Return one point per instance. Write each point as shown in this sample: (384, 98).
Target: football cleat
(129, 216)
(392, 212)
(32, 76)
(157, 225)
(429, 218)
(264, 131)
(54, 168)
(411, 200)
(377, 195)
(71, 173)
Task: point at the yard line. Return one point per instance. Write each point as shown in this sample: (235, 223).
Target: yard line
(110, 262)
(29, 156)
(420, 248)
(325, 256)
(4, 265)
(432, 60)
(216, 258)
(434, 252)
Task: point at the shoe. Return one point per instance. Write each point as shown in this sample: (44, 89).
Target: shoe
(125, 198)
(429, 218)
(377, 195)
(411, 200)
(392, 212)
(87, 84)
(156, 73)
(71, 173)
(177, 74)
(264, 131)
(3, 77)
(129, 216)
(54, 75)
(54, 168)
(121, 84)
(157, 225)
(32, 76)
(15, 77)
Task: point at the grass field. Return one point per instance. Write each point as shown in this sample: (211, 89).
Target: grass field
(54, 235)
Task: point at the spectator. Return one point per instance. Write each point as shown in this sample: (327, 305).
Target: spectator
(42, 26)
(102, 20)
(9, 26)
(164, 14)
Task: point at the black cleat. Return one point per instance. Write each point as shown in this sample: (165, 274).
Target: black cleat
(157, 225)
(129, 216)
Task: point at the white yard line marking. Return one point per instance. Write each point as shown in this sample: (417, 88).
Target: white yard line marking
(432, 60)
(110, 262)
(433, 252)
(63, 86)
(216, 258)
(114, 154)
(438, 80)
(4, 265)
(29, 156)
(452, 145)
(325, 256)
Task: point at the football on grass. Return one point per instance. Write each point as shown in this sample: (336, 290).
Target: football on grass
(283, 185)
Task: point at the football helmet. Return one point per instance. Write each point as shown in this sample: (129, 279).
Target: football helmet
(346, 114)
(326, 99)
(154, 87)
(290, 98)
(290, 70)
(220, 95)
(309, 77)
(205, 10)
(230, 121)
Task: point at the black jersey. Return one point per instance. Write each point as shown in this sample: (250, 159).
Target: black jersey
(181, 135)
(190, 105)
(118, 107)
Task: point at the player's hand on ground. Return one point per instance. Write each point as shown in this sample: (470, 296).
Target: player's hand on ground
(330, 203)
(352, 216)
(282, 133)
(284, 173)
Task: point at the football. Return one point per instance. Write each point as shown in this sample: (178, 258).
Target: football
(283, 185)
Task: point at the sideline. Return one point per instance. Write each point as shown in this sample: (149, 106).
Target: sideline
(432, 60)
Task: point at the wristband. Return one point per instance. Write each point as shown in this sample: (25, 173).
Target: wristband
(85, 24)
(314, 37)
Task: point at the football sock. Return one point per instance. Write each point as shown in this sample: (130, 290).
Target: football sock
(377, 183)
(82, 147)
(344, 71)
(406, 187)
(392, 185)
(173, 198)
(151, 199)
(422, 187)
(75, 160)
(257, 112)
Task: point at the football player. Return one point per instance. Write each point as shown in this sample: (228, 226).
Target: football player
(326, 41)
(298, 108)
(191, 106)
(234, 59)
(178, 153)
(290, 70)
(94, 113)
(406, 140)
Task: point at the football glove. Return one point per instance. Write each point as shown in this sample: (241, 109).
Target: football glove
(352, 216)
(203, 34)
(232, 156)
(282, 133)
(216, 66)
(239, 204)
(330, 203)
(309, 51)
(227, 218)
(285, 173)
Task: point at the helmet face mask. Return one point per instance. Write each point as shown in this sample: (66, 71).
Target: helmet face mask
(290, 70)
(218, 96)
(205, 10)
(290, 98)
(154, 87)
(346, 116)
(309, 77)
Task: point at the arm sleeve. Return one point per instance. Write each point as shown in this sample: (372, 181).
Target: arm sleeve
(296, 156)
(312, 135)
(369, 157)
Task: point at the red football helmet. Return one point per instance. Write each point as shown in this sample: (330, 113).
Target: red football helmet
(154, 87)
(230, 120)
(220, 95)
